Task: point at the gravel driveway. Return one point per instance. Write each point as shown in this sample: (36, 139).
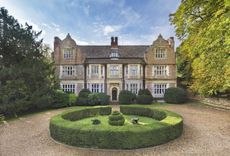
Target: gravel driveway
(206, 132)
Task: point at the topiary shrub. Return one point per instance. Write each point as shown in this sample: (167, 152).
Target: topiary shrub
(86, 112)
(126, 97)
(142, 111)
(82, 99)
(72, 99)
(60, 99)
(116, 119)
(144, 97)
(93, 99)
(103, 98)
(95, 121)
(84, 93)
(97, 99)
(175, 95)
(144, 92)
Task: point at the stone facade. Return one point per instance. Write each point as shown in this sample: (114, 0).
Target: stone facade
(113, 68)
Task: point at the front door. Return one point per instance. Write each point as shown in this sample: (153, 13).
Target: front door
(114, 94)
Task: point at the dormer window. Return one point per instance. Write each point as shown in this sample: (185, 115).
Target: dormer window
(160, 53)
(114, 53)
(68, 53)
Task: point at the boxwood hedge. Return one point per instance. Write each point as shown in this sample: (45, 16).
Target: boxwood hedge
(65, 128)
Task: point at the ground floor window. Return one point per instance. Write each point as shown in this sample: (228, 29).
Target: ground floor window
(133, 87)
(68, 88)
(96, 87)
(159, 89)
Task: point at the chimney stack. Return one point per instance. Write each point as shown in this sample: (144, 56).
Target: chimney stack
(114, 42)
(57, 42)
(171, 42)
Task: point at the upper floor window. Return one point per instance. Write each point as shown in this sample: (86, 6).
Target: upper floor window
(68, 54)
(68, 70)
(160, 53)
(133, 70)
(94, 69)
(114, 70)
(160, 70)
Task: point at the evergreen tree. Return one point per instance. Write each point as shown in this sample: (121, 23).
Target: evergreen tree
(203, 28)
(27, 78)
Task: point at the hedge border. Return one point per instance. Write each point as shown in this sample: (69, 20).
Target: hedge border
(64, 130)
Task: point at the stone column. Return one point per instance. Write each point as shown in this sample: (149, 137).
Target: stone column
(143, 76)
(105, 78)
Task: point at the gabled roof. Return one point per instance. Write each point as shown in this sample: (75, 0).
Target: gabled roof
(130, 51)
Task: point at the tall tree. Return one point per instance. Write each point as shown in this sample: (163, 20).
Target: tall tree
(27, 77)
(203, 26)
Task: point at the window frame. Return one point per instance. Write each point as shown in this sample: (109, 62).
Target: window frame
(69, 88)
(161, 53)
(68, 70)
(160, 70)
(68, 53)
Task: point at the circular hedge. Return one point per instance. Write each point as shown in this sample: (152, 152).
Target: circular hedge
(65, 128)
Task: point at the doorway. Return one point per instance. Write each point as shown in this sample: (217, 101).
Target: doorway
(114, 94)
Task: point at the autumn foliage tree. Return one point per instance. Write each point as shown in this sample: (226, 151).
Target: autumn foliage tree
(203, 26)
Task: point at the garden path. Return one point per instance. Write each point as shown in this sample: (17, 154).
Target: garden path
(206, 132)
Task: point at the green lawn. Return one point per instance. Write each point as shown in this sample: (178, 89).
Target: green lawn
(104, 121)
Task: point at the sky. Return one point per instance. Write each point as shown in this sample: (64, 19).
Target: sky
(93, 22)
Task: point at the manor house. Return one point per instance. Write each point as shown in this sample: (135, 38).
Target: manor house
(112, 68)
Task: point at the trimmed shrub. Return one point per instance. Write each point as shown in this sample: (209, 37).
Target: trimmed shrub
(175, 95)
(72, 99)
(86, 112)
(97, 99)
(84, 93)
(144, 92)
(82, 99)
(144, 99)
(95, 121)
(142, 111)
(126, 97)
(93, 99)
(116, 119)
(60, 99)
(103, 98)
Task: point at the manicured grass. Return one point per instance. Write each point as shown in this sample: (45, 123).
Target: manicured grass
(87, 122)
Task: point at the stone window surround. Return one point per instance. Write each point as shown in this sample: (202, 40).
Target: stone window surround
(96, 87)
(160, 70)
(68, 70)
(160, 53)
(158, 89)
(69, 88)
(68, 53)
